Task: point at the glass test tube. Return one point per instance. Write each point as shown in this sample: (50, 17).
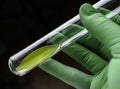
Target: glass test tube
(19, 57)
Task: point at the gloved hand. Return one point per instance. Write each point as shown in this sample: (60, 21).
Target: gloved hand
(98, 51)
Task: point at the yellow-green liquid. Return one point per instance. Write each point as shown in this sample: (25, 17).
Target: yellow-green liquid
(37, 57)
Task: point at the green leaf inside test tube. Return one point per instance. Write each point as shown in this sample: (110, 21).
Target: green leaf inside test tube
(37, 56)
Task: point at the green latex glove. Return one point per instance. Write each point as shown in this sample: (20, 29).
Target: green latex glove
(98, 51)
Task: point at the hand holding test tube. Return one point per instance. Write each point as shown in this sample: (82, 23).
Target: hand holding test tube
(98, 52)
(16, 59)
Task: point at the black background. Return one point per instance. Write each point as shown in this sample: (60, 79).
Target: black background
(21, 23)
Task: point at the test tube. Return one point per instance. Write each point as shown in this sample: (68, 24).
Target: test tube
(22, 56)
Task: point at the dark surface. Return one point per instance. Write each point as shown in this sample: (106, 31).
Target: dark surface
(21, 23)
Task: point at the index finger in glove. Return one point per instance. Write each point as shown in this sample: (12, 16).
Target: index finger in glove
(102, 28)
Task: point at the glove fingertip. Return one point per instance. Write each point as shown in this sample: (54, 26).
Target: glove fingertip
(87, 10)
(72, 30)
(103, 11)
(57, 38)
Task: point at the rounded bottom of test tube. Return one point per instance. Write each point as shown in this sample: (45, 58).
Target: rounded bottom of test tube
(13, 69)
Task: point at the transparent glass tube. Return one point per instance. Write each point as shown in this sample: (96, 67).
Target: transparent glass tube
(22, 56)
